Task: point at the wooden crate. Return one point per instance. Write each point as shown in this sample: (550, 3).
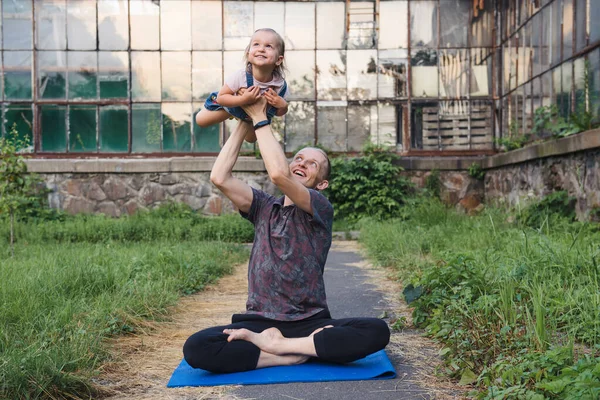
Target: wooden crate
(451, 132)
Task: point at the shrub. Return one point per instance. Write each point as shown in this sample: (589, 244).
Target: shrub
(555, 205)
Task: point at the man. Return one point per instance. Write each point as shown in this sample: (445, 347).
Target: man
(287, 320)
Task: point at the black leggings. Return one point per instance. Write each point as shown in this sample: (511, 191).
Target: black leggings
(350, 339)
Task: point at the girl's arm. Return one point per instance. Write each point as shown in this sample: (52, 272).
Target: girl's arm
(227, 98)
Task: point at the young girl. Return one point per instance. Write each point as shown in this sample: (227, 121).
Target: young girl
(263, 76)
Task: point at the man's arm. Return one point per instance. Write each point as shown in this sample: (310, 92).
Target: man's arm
(236, 190)
(274, 158)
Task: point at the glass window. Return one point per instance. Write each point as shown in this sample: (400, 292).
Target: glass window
(51, 25)
(175, 25)
(424, 72)
(454, 20)
(482, 24)
(454, 73)
(537, 93)
(146, 129)
(19, 117)
(453, 133)
(361, 121)
(232, 61)
(362, 74)
(331, 126)
(177, 118)
(393, 24)
(556, 48)
(205, 139)
(114, 129)
(82, 128)
(523, 64)
(17, 75)
(299, 125)
(176, 79)
(567, 26)
(361, 25)
(113, 74)
(594, 78)
(393, 73)
(237, 24)
(53, 128)
(269, 15)
(208, 34)
(145, 26)
(299, 26)
(81, 24)
(594, 18)
(331, 75)
(527, 108)
(17, 29)
(207, 67)
(385, 134)
(557, 85)
(579, 75)
(564, 101)
(423, 23)
(52, 74)
(547, 89)
(536, 43)
(113, 24)
(481, 72)
(83, 72)
(145, 70)
(424, 126)
(546, 38)
(331, 25)
(481, 131)
(580, 25)
(301, 76)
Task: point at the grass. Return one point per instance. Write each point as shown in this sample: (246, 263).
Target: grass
(501, 296)
(72, 285)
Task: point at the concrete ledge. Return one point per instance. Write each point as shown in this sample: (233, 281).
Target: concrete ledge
(439, 163)
(136, 166)
(579, 142)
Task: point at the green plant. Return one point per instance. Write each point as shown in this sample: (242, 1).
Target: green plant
(433, 183)
(475, 171)
(555, 205)
(368, 185)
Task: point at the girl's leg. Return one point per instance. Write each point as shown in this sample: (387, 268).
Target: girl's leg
(207, 118)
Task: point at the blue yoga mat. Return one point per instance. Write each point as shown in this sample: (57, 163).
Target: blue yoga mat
(374, 366)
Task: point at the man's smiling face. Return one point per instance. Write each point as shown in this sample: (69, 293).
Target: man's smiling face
(308, 166)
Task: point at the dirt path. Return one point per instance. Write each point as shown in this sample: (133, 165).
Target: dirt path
(149, 359)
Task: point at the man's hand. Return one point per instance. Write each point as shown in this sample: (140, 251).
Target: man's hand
(258, 110)
(249, 95)
(274, 99)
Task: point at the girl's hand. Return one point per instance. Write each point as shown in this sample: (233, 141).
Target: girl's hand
(250, 95)
(274, 99)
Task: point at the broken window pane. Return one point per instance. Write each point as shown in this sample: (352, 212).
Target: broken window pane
(81, 24)
(208, 34)
(113, 24)
(331, 126)
(145, 128)
(362, 74)
(82, 74)
(454, 73)
(423, 23)
(175, 25)
(82, 128)
(145, 68)
(331, 25)
(481, 72)
(361, 25)
(393, 73)
(331, 75)
(52, 74)
(424, 126)
(113, 74)
(19, 117)
(53, 128)
(177, 118)
(51, 25)
(237, 24)
(299, 125)
(454, 20)
(205, 139)
(17, 75)
(144, 24)
(176, 79)
(114, 131)
(393, 24)
(482, 23)
(299, 26)
(269, 14)
(360, 124)
(424, 73)
(206, 73)
(301, 76)
(17, 27)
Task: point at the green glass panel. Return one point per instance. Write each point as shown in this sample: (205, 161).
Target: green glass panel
(82, 85)
(82, 128)
(54, 86)
(113, 129)
(19, 117)
(206, 139)
(53, 128)
(113, 89)
(17, 85)
(145, 127)
(176, 135)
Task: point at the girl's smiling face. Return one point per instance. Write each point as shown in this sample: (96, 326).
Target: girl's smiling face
(263, 50)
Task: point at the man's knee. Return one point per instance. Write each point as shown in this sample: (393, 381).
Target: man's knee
(194, 351)
(381, 332)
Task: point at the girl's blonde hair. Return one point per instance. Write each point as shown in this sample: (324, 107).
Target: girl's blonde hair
(280, 43)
